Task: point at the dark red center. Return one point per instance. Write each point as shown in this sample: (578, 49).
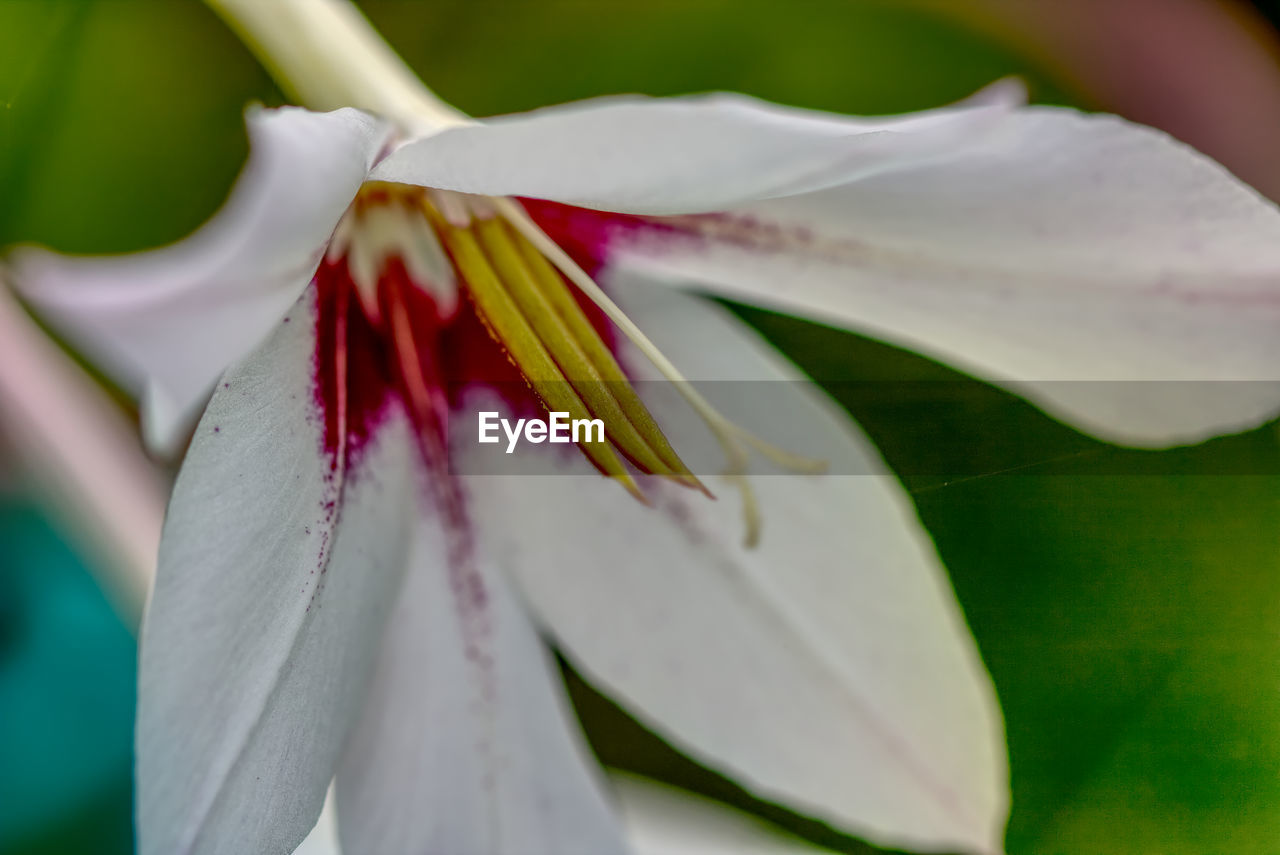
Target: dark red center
(419, 355)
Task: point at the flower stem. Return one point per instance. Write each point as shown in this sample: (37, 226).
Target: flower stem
(326, 54)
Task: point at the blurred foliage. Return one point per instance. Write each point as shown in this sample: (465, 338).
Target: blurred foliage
(1131, 622)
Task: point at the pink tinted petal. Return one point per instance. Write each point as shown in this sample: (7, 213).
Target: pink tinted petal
(166, 323)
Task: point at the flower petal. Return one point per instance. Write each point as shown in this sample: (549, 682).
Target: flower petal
(1079, 260)
(167, 322)
(323, 837)
(659, 820)
(683, 155)
(274, 583)
(663, 820)
(829, 669)
(466, 744)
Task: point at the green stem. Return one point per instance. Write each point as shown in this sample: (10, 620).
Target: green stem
(327, 55)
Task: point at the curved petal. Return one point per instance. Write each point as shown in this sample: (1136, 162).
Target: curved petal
(659, 820)
(663, 820)
(168, 322)
(1080, 260)
(683, 155)
(323, 837)
(829, 669)
(466, 744)
(275, 580)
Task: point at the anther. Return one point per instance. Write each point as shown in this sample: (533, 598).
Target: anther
(730, 436)
(501, 315)
(568, 346)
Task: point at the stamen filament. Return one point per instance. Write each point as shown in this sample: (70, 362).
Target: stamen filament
(729, 435)
(424, 395)
(499, 312)
(568, 350)
(780, 456)
(557, 294)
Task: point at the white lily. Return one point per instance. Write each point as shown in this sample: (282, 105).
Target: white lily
(333, 594)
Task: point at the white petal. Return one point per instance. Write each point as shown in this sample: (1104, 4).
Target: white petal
(682, 155)
(466, 744)
(829, 669)
(664, 820)
(659, 820)
(1080, 260)
(323, 838)
(167, 322)
(275, 580)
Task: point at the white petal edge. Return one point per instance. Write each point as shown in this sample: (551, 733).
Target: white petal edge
(829, 670)
(167, 322)
(684, 155)
(467, 743)
(323, 837)
(665, 820)
(1080, 260)
(275, 578)
(659, 820)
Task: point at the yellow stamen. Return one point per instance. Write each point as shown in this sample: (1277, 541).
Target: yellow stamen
(556, 292)
(569, 347)
(730, 436)
(500, 313)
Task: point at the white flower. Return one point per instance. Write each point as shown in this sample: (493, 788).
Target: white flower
(334, 593)
(328, 578)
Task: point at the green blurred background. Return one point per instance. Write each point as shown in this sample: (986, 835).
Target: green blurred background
(1131, 622)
